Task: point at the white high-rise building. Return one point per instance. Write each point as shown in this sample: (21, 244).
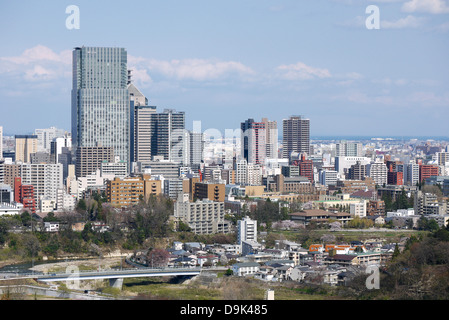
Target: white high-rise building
(412, 176)
(246, 230)
(344, 163)
(248, 173)
(45, 178)
(348, 149)
(46, 136)
(328, 177)
(272, 133)
(378, 171)
(196, 146)
(1, 142)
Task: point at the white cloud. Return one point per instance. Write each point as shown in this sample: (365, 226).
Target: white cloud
(41, 53)
(428, 6)
(191, 69)
(301, 71)
(407, 22)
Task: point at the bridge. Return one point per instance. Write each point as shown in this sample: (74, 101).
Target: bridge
(115, 276)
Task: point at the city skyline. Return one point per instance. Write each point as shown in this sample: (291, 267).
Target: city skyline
(224, 63)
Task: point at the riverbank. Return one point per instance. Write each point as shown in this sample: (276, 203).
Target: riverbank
(83, 264)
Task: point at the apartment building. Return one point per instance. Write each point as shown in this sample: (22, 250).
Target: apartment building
(202, 216)
(122, 192)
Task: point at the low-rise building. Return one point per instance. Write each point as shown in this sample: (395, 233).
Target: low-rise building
(245, 268)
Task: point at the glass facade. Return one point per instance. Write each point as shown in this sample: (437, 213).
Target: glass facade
(100, 99)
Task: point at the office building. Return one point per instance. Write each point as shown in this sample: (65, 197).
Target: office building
(342, 164)
(100, 99)
(118, 168)
(427, 171)
(46, 136)
(328, 177)
(1, 142)
(89, 159)
(25, 145)
(348, 149)
(295, 136)
(211, 191)
(6, 193)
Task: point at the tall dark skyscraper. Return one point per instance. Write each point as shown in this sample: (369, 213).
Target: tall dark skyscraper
(100, 99)
(169, 136)
(296, 136)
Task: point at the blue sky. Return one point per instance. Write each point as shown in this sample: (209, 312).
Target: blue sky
(225, 61)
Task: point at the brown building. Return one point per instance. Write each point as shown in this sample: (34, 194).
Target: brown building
(375, 208)
(211, 191)
(352, 186)
(290, 184)
(11, 171)
(89, 159)
(25, 145)
(319, 216)
(128, 191)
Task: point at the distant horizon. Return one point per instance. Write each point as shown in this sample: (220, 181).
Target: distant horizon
(353, 137)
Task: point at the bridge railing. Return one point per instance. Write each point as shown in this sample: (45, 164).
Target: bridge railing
(108, 271)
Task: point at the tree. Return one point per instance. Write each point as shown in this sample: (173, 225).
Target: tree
(396, 252)
(50, 217)
(157, 257)
(3, 231)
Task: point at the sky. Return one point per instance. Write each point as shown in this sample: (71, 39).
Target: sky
(222, 62)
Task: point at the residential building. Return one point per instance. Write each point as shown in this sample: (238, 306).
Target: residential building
(253, 144)
(271, 140)
(142, 131)
(379, 172)
(46, 179)
(168, 136)
(122, 192)
(245, 268)
(246, 230)
(24, 194)
(202, 216)
(295, 136)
